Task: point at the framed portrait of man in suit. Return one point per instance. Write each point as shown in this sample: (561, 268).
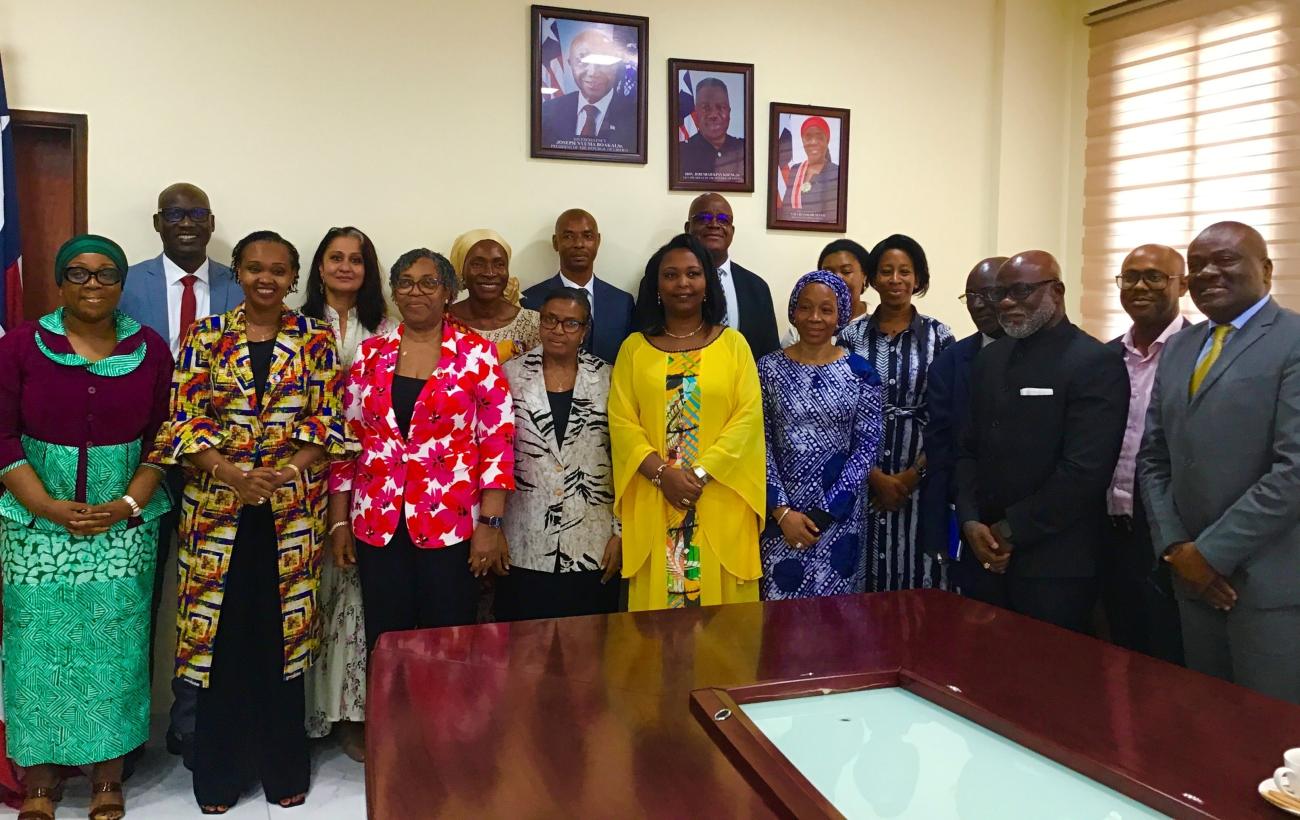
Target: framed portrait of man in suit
(710, 126)
(588, 90)
(808, 168)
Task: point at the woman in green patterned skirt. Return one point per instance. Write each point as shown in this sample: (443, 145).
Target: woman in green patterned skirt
(84, 392)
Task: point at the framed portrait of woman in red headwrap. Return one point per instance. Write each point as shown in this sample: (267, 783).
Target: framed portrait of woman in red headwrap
(808, 168)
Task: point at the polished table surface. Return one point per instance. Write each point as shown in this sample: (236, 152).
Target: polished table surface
(590, 717)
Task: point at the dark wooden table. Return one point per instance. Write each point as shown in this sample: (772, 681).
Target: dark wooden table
(591, 717)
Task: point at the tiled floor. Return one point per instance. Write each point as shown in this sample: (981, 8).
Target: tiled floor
(161, 790)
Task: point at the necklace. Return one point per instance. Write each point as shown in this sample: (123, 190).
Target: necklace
(668, 332)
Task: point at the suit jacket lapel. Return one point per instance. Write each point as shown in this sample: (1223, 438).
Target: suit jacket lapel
(287, 344)
(538, 404)
(235, 343)
(1234, 347)
(584, 389)
(384, 373)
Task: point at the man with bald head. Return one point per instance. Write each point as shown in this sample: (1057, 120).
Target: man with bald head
(947, 398)
(749, 300)
(1048, 408)
(1219, 467)
(1136, 591)
(577, 240)
(169, 293)
(597, 116)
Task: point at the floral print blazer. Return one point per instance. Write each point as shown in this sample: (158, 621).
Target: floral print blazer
(214, 404)
(461, 441)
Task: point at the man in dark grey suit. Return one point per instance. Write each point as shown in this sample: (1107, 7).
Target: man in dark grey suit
(178, 285)
(597, 116)
(1219, 467)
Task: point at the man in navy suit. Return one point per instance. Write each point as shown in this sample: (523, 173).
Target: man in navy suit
(165, 293)
(577, 240)
(597, 116)
(947, 398)
(749, 300)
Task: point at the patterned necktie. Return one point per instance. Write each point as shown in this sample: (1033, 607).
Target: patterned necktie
(1216, 347)
(589, 124)
(189, 305)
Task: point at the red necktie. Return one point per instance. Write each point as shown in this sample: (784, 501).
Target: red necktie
(189, 305)
(589, 126)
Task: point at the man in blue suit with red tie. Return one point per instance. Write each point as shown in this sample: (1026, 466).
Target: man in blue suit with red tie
(947, 398)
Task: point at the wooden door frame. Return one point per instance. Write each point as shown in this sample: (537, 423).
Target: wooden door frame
(77, 124)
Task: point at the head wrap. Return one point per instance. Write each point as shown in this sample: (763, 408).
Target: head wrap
(460, 249)
(88, 243)
(814, 122)
(843, 309)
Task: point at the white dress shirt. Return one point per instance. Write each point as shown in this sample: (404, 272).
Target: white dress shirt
(590, 288)
(602, 106)
(732, 319)
(176, 290)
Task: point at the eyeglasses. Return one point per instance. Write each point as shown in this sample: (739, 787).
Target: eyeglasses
(1018, 292)
(1154, 279)
(705, 218)
(974, 297)
(104, 276)
(174, 215)
(549, 322)
(426, 285)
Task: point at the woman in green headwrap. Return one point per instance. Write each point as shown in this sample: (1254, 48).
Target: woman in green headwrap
(84, 393)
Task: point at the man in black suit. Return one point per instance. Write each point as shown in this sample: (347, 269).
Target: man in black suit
(596, 116)
(577, 240)
(1048, 409)
(713, 155)
(1137, 591)
(749, 301)
(947, 397)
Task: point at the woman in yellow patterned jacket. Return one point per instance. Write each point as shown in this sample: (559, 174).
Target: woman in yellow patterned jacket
(256, 408)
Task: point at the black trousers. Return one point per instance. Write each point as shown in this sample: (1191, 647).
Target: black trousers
(528, 593)
(1138, 594)
(249, 721)
(1066, 602)
(181, 723)
(406, 587)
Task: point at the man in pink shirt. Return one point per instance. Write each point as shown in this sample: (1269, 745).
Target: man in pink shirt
(1140, 607)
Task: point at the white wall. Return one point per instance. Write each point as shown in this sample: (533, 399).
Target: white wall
(409, 118)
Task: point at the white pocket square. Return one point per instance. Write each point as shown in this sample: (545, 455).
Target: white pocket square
(1036, 391)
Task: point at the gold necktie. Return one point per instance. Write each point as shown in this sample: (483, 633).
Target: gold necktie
(1216, 347)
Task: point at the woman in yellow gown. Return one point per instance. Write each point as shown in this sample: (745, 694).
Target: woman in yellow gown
(686, 428)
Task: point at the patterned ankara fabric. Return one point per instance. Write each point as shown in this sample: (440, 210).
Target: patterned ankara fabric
(682, 435)
(894, 552)
(823, 427)
(517, 338)
(76, 609)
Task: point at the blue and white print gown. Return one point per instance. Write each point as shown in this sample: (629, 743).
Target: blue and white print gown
(823, 426)
(903, 362)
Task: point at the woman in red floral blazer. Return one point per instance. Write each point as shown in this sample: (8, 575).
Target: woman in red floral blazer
(431, 426)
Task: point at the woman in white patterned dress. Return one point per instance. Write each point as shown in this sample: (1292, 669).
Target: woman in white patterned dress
(345, 288)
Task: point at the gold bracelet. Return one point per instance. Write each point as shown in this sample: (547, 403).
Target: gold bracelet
(296, 469)
(336, 525)
(215, 466)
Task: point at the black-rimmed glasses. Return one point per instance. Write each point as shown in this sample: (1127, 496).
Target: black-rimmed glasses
(1154, 279)
(1018, 292)
(570, 325)
(104, 276)
(173, 216)
(426, 285)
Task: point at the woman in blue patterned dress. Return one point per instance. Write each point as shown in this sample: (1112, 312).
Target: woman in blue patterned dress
(900, 343)
(823, 423)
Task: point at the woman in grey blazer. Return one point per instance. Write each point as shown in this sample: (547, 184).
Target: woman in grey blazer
(563, 539)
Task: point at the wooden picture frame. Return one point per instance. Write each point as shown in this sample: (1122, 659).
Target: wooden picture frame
(587, 87)
(799, 198)
(710, 142)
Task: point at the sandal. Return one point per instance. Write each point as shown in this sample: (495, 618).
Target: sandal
(214, 809)
(107, 811)
(51, 793)
(292, 802)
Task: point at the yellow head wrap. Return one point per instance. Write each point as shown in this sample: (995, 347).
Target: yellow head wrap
(460, 249)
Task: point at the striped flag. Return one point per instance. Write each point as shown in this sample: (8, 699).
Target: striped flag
(11, 260)
(690, 125)
(785, 154)
(552, 61)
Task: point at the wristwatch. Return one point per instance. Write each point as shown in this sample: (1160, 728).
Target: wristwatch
(493, 521)
(702, 475)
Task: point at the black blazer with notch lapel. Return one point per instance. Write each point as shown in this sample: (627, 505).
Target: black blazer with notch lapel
(1047, 420)
(613, 318)
(947, 397)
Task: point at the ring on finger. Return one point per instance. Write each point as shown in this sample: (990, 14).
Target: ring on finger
(987, 565)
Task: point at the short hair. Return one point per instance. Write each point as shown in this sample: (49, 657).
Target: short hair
(564, 293)
(237, 255)
(712, 82)
(714, 309)
(847, 246)
(446, 273)
(371, 307)
(914, 251)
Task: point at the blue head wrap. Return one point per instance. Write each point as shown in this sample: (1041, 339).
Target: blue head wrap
(844, 311)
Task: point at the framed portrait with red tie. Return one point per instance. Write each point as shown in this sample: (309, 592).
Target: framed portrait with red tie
(587, 91)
